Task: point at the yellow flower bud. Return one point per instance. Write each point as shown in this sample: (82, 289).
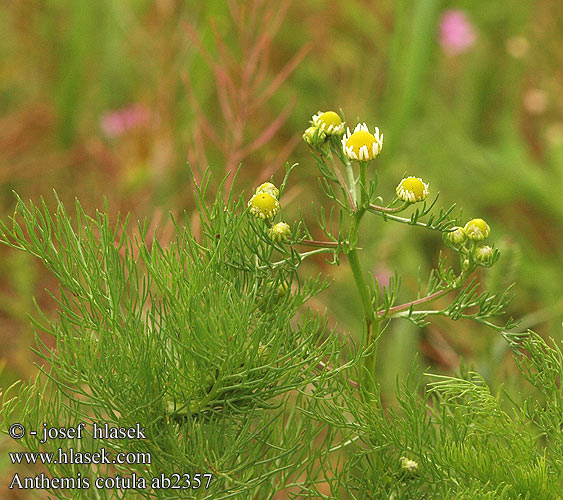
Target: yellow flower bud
(280, 232)
(456, 237)
(477, 229)
(484, 255)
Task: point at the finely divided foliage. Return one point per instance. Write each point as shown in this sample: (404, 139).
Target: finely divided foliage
(189, 340)
(207, 342)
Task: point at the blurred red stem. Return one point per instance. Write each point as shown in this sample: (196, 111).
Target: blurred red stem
(412, 303)
(319, 244)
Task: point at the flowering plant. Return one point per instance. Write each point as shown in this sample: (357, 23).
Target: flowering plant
(206, 342)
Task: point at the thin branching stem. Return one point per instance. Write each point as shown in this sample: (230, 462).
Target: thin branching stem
(388, 210)
(407, 305)
(352, 185)
(349, 195)
(301, 258)
(319, 244)
(324, 366)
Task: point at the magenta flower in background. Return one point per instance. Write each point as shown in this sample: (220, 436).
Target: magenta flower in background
(457, 33)
(383, 275)
(116, 122)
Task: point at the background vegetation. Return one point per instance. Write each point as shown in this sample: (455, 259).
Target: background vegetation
(221, 83)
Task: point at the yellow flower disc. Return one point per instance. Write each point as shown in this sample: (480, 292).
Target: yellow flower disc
(412, 189)
(329, 122)
(264, 205)
(362, 145)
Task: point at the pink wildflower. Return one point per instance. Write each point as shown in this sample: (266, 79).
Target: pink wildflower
(117, 122)
(457, 33)
(383, 275)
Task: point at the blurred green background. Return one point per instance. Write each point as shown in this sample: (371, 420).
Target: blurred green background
(113, 99)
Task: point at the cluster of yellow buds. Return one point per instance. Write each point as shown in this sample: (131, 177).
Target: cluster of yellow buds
(474, 231)
(265, 205)
(363, 145)
(477, 230)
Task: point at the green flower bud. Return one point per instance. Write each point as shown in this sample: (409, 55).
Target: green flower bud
(283, 290)
(314, 136)
(409, 466)
(280, 232)
(484, 255)
(456, 237)
(466, 265)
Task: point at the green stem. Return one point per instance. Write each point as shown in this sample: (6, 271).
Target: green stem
(362, 186)
(351, 181)
(370, 318)
(349, 195)
(362, 287)
(302, 256)
(372, 323)
(373, 334)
